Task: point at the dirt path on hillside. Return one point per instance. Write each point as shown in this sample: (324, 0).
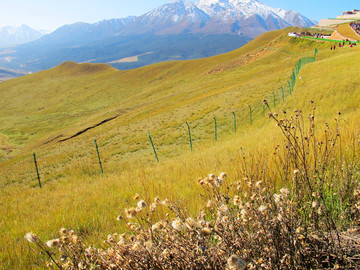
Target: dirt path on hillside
(244, 59)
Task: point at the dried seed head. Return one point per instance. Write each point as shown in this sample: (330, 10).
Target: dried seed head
(141, 204)
(223, 175)
(262, 209)
(285, 192)
(111, 238)
(149, 245)
(210, 204)
(131, 212)
(190, 223)
(53, 243)
(225, 219)
(219, 181)
(212, 176)
(277, 198)
(158, 226)
(315, 204)
(152, 207)
(165, 253)
(82, 265)
(234, 262)
(31, 237)
(223, 209)
(136, 197)
(237, 200)
(137, 246)
(258, 184)
(205, 231)
(165, 202)
(178, 225)
(75, 239)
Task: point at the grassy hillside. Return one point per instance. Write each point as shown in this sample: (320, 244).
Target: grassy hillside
(346, 31)
(91, 96)
(40, 110)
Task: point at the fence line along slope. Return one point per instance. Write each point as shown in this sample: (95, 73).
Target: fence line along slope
(160, 99)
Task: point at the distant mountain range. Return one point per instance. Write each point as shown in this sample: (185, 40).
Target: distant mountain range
(11, 36)
(178, 30)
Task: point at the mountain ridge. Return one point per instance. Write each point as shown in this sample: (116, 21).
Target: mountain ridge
(179, 30)
(12, 35)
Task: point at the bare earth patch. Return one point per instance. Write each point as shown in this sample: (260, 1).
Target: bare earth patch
(129, 59)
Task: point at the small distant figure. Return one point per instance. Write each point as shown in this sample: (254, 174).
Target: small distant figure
(330, 47)
(351, 45)
(334, 47)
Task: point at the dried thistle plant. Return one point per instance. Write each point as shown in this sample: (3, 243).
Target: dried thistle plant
(244, 224)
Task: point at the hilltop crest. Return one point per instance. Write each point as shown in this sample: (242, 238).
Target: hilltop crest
(82, 68)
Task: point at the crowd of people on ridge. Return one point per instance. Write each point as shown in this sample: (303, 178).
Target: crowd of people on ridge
(356, 27)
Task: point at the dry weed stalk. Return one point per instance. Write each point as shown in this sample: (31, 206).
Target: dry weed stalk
(245, 224)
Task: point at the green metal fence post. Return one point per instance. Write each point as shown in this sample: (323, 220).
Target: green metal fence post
(274, 99)
(250, 115)
(153, 147)
(97, 151)
(289, 87)
(215, 130)
(234, 122)
(189, 135)
(37, 170)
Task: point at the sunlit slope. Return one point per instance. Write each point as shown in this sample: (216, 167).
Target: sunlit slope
(345, 30)
(75, 195)
(158, 98)
(58, 103)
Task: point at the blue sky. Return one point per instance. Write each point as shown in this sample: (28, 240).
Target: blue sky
(51, 14)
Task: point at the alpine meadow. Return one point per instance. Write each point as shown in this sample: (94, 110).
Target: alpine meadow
(256, 162)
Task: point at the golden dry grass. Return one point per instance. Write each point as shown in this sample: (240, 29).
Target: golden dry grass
(346, 31)
(160, 99)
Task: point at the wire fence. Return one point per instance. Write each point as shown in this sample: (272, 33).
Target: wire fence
(248, 114)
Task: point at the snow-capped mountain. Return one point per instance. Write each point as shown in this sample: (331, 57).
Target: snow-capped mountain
(178, 30)
(172, 18)
(11, 36)
(240, 17)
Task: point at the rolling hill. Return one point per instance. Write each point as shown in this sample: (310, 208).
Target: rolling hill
(84, 94)
(57, 114)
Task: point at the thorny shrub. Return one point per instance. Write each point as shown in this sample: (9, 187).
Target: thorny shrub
(294, 218)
